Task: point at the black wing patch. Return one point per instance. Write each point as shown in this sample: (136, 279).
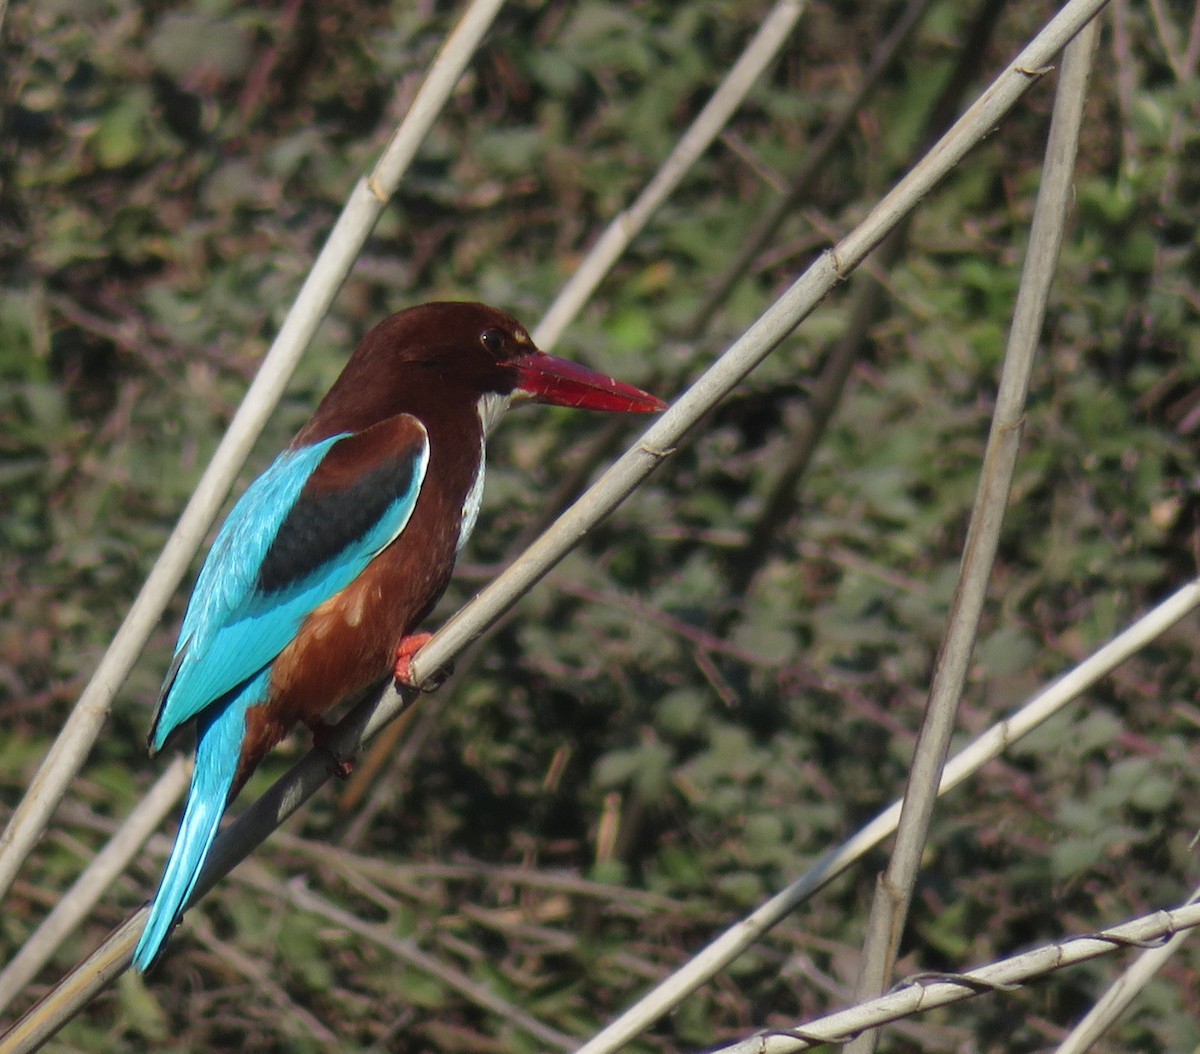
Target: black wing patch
(360, 481)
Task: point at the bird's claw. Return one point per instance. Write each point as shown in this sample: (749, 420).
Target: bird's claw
(409, 647)
(340, 766)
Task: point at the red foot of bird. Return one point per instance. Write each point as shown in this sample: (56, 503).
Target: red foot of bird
(409, 646)
(322, 735)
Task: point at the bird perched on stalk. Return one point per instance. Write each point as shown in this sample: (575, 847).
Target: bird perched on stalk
(315, 583)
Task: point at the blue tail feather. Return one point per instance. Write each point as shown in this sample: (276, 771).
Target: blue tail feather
(218, 747)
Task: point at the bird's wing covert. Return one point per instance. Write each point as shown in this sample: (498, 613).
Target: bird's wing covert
(303, 531)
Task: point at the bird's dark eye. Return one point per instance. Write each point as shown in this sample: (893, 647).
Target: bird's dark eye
(492, 340)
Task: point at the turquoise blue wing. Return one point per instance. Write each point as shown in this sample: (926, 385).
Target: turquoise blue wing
(302, 532)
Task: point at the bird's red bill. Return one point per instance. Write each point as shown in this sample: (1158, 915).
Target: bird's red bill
(549, 379)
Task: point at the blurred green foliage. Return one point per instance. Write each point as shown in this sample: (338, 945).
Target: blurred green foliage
(169, 172)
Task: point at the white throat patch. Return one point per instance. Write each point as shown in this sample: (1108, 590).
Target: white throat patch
(490, 408)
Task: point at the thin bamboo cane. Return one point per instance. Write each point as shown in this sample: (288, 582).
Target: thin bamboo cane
(1121, 993)
(109, 864)
(894, 890)
(934, 990)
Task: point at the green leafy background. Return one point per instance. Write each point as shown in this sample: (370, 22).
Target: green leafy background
(643, 753)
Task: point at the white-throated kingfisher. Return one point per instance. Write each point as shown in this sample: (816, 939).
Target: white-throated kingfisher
(331, 558)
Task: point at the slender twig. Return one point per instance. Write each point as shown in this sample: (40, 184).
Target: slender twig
(1191, 54)
(1121, 993)
(1168, 37)
(365, 781)
(395, 748)
(702, 639)
(408, 952)
(926, 992)
(109, 864)
(714, 957)
(759, 54)
(814, 164)
(826, 395)
(1125, 75)
(1183, 60)
(864, 309)
(291, 1017)
(893, 891)
(403, 877)
(77, 989)
(365, 721)
(353, 226)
